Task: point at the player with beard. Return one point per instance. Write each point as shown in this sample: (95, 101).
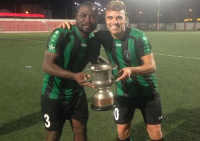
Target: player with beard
(63, 96)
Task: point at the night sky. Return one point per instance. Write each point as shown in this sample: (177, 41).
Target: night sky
(137, 10)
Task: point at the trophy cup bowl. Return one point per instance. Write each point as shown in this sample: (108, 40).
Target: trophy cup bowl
(103, 98)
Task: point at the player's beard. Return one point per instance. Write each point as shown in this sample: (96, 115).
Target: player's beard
(86, 28)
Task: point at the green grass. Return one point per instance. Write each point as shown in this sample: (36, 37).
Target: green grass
(178, 82)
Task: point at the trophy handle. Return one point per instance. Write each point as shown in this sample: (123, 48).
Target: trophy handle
(87, 79)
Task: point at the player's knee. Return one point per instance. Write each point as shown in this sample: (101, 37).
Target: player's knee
(154, 128)
(123, 134)
(53, 135)
(80, 129)
(154, 131)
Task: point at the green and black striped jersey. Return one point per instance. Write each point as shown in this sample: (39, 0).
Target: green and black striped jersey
(127, 52)
(75, 53)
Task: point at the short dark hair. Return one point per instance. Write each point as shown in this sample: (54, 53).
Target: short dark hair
(87, 3)
(116, 5)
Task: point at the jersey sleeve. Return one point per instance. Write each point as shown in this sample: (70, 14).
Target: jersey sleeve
(100, 36)
(56, 40)
(144, 47)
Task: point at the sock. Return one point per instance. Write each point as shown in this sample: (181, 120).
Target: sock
(127, 139)
(158, 140)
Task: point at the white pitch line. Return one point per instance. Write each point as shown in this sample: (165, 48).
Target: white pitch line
(22, 39)
(177, 56)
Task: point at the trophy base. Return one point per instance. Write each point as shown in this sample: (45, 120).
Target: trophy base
(102, 108)
(103, 100)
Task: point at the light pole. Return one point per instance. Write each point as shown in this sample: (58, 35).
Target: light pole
(139, 16)
(158, 14)
(191, 15)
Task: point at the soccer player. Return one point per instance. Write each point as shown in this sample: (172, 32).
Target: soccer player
(136, 86)
(63, 96)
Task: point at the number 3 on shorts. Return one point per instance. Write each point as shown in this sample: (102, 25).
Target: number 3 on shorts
(116, 113)
(47, 124)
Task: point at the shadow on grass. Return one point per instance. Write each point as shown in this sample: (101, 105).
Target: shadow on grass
(182, 125)
(21, 123)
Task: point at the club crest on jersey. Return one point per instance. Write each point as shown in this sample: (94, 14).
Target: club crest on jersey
(127, 54)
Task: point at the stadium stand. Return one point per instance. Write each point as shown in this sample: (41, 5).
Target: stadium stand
(48, 25)
(25, 25)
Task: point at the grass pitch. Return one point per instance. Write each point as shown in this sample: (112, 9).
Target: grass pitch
(177, 56)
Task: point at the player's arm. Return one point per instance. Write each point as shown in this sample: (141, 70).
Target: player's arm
(147, 67)
(50, 65)
(97, 59)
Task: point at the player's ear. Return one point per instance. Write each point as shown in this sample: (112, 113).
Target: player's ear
(126, 18)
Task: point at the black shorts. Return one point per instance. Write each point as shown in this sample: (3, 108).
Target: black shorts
(56, 111)
(150, 109)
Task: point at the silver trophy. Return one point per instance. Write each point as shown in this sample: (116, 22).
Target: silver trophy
(103, 98)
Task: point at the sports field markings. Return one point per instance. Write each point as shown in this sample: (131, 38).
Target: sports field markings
(177, 56)
(22, 39)
(171, 32)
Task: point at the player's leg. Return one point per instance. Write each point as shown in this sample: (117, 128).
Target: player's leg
(52, 119)
(80, 117)
(53, 135)
(123, 131)
(152, 114)
(80, 130)
(123, 114)
(155, 132)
